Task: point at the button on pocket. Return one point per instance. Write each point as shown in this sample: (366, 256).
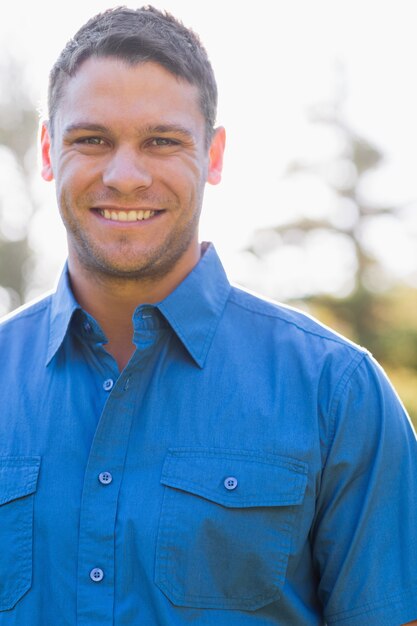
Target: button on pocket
(230, 483)
(18, 478)
(227, 523)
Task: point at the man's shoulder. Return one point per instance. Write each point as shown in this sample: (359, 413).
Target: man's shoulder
(288, 321)
(26, 317)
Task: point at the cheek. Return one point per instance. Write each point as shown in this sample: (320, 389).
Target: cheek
(186, 176)
(76, 178)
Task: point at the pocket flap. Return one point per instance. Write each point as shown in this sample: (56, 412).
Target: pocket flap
(18, 477)
(236, 478)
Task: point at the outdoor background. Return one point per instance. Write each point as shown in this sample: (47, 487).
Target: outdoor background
(318, 206)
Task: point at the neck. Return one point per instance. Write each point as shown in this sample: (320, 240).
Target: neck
(112, 301)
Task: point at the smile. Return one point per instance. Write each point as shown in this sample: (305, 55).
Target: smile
(126, 216)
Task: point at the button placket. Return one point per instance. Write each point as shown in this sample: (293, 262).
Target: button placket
(99, 504)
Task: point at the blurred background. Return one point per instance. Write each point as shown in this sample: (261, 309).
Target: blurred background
(318, 206)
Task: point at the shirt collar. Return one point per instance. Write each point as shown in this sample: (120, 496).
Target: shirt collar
(62, 309)
(193, 309)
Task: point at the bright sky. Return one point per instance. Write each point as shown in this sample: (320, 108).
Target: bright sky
(273, 59)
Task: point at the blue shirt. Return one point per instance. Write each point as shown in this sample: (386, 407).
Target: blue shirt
(247, 467)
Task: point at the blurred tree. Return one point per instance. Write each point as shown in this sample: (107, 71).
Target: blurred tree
(372, 311)
(18, 128)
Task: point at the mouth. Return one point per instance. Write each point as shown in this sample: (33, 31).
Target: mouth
(127, 215)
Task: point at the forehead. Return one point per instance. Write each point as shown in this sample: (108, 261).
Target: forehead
(116, 91)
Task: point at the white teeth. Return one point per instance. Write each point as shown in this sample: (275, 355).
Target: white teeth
(126, 216)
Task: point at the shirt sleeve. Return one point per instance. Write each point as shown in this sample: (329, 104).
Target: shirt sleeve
(364, 538)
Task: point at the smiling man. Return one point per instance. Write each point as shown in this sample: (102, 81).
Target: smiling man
(174, 450)
(130, 151)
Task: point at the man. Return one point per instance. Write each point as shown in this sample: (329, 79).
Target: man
(175, 450)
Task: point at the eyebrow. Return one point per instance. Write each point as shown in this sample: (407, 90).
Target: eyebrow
(168, 128)
(97, 128)
(147, 130)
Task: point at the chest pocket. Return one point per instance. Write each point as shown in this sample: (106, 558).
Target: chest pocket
(227, 523)
(18, 479)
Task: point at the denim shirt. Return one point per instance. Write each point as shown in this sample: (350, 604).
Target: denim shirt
(247, 467)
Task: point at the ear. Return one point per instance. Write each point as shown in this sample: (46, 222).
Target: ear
(216, 151)
(47, 173)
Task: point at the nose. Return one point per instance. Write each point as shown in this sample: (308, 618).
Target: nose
(127, 171)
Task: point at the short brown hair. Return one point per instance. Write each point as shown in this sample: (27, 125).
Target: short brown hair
(135, 36)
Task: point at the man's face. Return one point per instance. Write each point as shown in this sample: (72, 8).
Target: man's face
(130, 162)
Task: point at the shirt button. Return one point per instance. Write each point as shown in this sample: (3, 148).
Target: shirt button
(108, 384)
(230, 483)
(96, 575)
(105, 478)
